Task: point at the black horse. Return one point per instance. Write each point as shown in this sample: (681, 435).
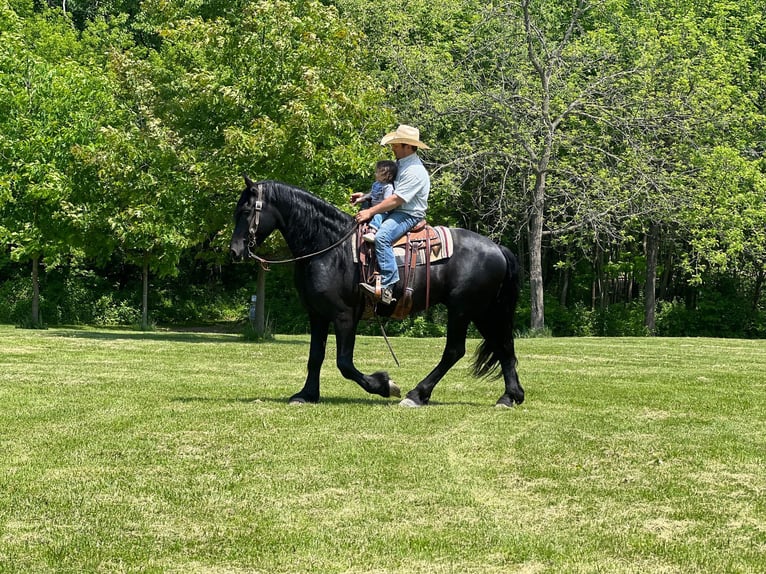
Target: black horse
(479, 283)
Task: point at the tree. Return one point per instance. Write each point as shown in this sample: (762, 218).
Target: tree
(727, 220)
(586, 122)
(271, 89)
(535, 94)
(145, 204)
(52, 99)
(690, 107)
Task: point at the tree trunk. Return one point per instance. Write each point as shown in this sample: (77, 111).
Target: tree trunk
(667, 277)
(145, 296)
(35, 291)
(564, 287)
(758, 288)
(650, 288)
(260, 304)
(537, 319)
(596, 286)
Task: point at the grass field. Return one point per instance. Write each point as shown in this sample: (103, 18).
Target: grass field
(176, 452)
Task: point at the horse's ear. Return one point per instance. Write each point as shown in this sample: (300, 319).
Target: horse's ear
(248, 182)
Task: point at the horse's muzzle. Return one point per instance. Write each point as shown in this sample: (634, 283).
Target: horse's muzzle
(237, 250)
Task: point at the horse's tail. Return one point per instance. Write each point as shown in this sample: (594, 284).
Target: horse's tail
(497, 324)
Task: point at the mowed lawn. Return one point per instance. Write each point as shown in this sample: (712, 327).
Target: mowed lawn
(177, 452)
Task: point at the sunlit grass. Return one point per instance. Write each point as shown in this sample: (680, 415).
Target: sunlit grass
(171, 452)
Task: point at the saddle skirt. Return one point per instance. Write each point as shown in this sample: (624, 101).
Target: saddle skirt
(419, 247)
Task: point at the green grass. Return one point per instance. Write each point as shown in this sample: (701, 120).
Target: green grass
(176, 452)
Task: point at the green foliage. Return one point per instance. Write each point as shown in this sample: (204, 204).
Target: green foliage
(249, 333)
(577, 321)
(572, 132)
(274, 88)
(174, 304)
(433, 324)
(719, 311)
(15, 302)
(52, 102)
(110, 311)
(616, 320)
(727, 222)
(68, 298)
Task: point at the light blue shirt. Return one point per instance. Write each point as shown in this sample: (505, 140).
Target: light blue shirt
(412, 184)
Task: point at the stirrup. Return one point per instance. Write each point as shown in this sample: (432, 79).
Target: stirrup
(387, 296)
(376, 293)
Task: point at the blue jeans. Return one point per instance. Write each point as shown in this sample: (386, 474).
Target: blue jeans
(394, 226)
(376, 220)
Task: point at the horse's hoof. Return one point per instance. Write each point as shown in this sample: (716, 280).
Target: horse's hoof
(394, 390)
(504, 403)
(298, 400)
(409, 403)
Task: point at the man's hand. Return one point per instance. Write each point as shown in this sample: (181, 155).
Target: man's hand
(364, 215)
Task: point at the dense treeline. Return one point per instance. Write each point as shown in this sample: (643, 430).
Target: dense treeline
(618, 147)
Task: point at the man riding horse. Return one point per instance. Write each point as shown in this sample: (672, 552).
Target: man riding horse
(478, 284)
(402, 210)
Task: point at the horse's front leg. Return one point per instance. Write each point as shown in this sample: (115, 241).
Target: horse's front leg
(377, 383)
(310, 391)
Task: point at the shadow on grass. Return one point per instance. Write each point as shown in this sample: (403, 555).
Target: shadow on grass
(169, 336)
(371, 401)
(283, 400)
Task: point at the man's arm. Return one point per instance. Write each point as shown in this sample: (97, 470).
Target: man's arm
(388, 204)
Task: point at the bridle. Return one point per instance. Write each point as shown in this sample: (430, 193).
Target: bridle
(256, 220)
(251, 242)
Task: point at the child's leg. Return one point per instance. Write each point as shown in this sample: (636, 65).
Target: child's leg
(376, 220)
(374, 224)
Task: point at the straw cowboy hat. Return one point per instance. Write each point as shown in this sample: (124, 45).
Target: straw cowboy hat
(406, 135)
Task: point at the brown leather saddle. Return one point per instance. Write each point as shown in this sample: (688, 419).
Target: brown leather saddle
(417, 247)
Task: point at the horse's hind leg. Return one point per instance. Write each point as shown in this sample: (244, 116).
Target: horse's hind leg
(499, 344)
(454, 350)
(514, 393)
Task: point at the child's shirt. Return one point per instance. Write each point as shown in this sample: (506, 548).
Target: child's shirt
(380, 191)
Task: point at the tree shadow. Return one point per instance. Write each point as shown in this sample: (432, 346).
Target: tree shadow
(169, 336)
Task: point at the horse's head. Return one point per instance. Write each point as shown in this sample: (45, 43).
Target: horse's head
(254, 219)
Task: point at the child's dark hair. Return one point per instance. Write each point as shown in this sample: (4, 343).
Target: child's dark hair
(389, 169)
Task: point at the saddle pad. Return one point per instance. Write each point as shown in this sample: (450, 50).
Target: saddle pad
(441, 248)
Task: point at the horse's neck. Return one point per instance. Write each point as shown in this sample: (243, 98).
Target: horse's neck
(309, 227)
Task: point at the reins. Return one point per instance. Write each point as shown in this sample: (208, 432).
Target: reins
(266, 262)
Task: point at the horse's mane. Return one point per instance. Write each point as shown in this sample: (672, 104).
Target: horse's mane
(310, 215)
